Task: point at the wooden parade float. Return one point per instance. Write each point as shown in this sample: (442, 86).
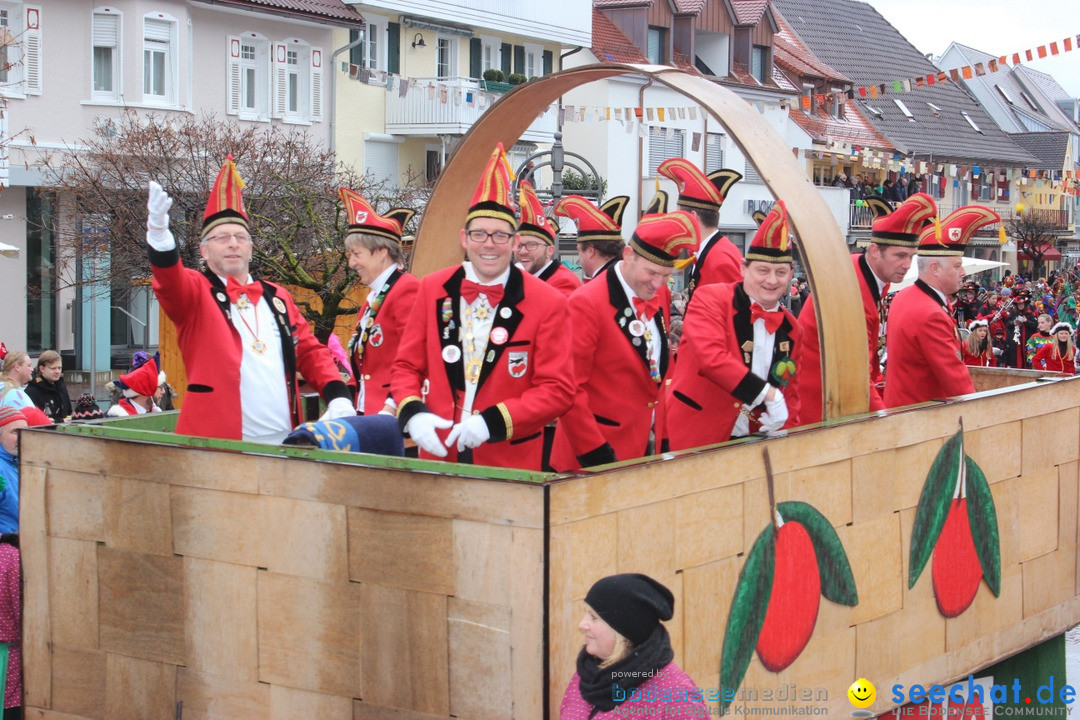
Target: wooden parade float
(172, 576)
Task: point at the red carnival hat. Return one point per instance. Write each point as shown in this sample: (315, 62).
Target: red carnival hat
(661, 237)
(951, 235)
(533, 220)
(362, 218)
(901, 226)
(696, 189)
(771, 243)
(594, 224)
(9, 414)
(35, 417)
(493, 198)
(226, 202)
(143, 380)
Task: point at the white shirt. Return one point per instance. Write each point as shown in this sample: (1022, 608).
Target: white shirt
(373, 292)
(481, 330)
(652, 329)
(760, 362)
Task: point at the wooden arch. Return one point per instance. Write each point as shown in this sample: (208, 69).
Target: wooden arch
(842, 329)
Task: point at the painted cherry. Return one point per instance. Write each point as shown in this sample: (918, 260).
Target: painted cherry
(794, 600)
(956, 571)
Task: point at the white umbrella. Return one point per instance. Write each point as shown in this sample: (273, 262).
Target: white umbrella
(971, 266)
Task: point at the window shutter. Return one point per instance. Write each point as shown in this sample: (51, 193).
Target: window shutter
(160, 30)
(232, 77)
(356, 53)
(505, 56)
(476, 62)
(381, 161)
(661, 148)
(316, 84)
(519, 58)
(32, 49)
(549, 62)
(106, 32)
(279, 81)
(393, 48)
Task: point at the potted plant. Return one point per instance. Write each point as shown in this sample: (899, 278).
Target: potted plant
(516, 78)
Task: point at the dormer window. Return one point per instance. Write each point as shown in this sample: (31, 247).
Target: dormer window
(657, 50)
(808, 99)
(836, 103)
(759, 63)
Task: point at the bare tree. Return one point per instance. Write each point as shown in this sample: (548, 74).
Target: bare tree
(1035, 232)
(291, 197)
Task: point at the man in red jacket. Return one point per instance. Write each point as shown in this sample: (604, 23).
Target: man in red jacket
(484, 354)
(717, 260)
(893, 238)
(535, 251)
(736, 350)
(599, 239)
(621, 354)
(925, 358)
(243, 340)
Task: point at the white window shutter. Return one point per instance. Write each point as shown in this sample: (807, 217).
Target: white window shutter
(233, 76)
(316, 84)
(279, 81)
(32, 50)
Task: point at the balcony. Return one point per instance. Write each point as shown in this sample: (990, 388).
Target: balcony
(450, 106)
(862, 217)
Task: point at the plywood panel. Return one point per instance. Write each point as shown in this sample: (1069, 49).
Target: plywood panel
(657, 556)
(482, 555)
(212, 697)
(309, 634)
(874, 551)
(1037, 493)
(527, 654)
(879, 653)
(709, 526)
(291, 704)
(995, 448)
(79, 677)
(227, 526)
(40, 714)
(137, 516)
(74, 501)
(1067, 501)
(415, 553)
(220, 628)
(578, 569)
(826, 487)
(141, 605)
(708, 591)
(139, 689)
(1051, 439)
(405, 629)
(305, 538)
(73, 567)
(368, 711)
(988, 614)
(37, 625)
(479, 653)
(1049, 580)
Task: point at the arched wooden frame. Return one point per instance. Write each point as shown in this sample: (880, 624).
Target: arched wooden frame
(842, 329)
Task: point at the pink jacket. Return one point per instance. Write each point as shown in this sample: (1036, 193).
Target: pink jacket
(671, 695)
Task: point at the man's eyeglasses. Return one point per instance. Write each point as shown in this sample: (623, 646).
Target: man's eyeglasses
(498, 237)
(241, 237)
(531, 246)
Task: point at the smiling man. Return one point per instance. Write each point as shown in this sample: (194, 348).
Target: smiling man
(735, 356)
(535, 251)
(483, 363)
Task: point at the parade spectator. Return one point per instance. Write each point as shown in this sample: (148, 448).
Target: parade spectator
(243, 341)
(11, 420)
(716, 259)
(488, 342)
(138, 389)
(47, 389)
(966, 308)
(11, 623)
(1042, 336)
(840, 180)
(979, 350)
(16, 371)
(899, 190)
(620, 349)
(626, 667)
(1059, 355)
(86, 408)
(535, 252)
(373, 243)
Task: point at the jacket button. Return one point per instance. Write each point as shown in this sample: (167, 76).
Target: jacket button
(736, 405)
(367, 377)
(652, 404)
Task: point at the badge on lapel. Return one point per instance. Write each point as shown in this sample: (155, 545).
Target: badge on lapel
(280, 305)
(376, 336)
(517, 363)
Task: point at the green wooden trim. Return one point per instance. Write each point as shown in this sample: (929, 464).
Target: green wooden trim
(393, 48)
(498, 87)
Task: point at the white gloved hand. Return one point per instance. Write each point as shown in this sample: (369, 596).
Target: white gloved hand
(469, 433)
(338, 408)
(775, 414)
(997, 351)
(157, 219)
(421, 428)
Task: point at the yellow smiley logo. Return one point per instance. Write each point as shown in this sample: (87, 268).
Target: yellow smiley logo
(862, 693)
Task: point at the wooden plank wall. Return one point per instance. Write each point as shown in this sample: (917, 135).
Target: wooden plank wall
(689, 521)
(247, 586)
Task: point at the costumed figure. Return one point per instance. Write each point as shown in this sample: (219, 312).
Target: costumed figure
(1023, 322)
(1059, 355)
(138, 388)
(1041, 337)
(536, 247)
(599, 240)
(978, 348)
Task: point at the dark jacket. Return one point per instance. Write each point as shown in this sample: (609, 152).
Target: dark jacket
(52, 398)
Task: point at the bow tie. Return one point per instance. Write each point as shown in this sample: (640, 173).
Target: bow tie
(234, 290)
(647, 308)
(470, 290)
(773, 318)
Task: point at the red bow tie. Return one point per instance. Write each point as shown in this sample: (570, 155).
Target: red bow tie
(773, 318)
(470, 290)
(647, 308)
(234, 290)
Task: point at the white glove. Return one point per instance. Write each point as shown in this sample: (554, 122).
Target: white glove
(997, 351)
(157, 219)
(338, 408)
(421, 428)
(775, 414)
(469, 433)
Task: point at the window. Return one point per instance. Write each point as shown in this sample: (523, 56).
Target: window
(971, 122)
(371, 47)
(446, 52)
(751, 176)
(934, 109)
(20, 54)
(657, 46)
(381, 161)
(292, 73)
(759, 63)
(836, 103)
(661, 147)
(356, 52)
(489, 55)
(808, 99)
(1029, 101)
(159, 59)
(297, 70)
(106, 55)
(249, 76)
(714, 152)
(9, 50)
(1005, 94)
(903, 108)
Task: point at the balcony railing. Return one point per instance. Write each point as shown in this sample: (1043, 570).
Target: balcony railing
(862, 217)
(450, 106)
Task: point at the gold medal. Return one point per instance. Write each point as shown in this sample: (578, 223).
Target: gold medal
(242, 302)
(472, 370)
(258, 347)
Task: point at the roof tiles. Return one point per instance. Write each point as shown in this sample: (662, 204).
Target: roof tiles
(324, 10)
(611, 45)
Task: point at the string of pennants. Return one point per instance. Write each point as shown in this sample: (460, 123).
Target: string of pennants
(966, 72)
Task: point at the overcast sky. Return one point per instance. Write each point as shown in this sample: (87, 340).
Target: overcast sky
(996, 27)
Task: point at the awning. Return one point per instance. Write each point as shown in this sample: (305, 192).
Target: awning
(1049, 252)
